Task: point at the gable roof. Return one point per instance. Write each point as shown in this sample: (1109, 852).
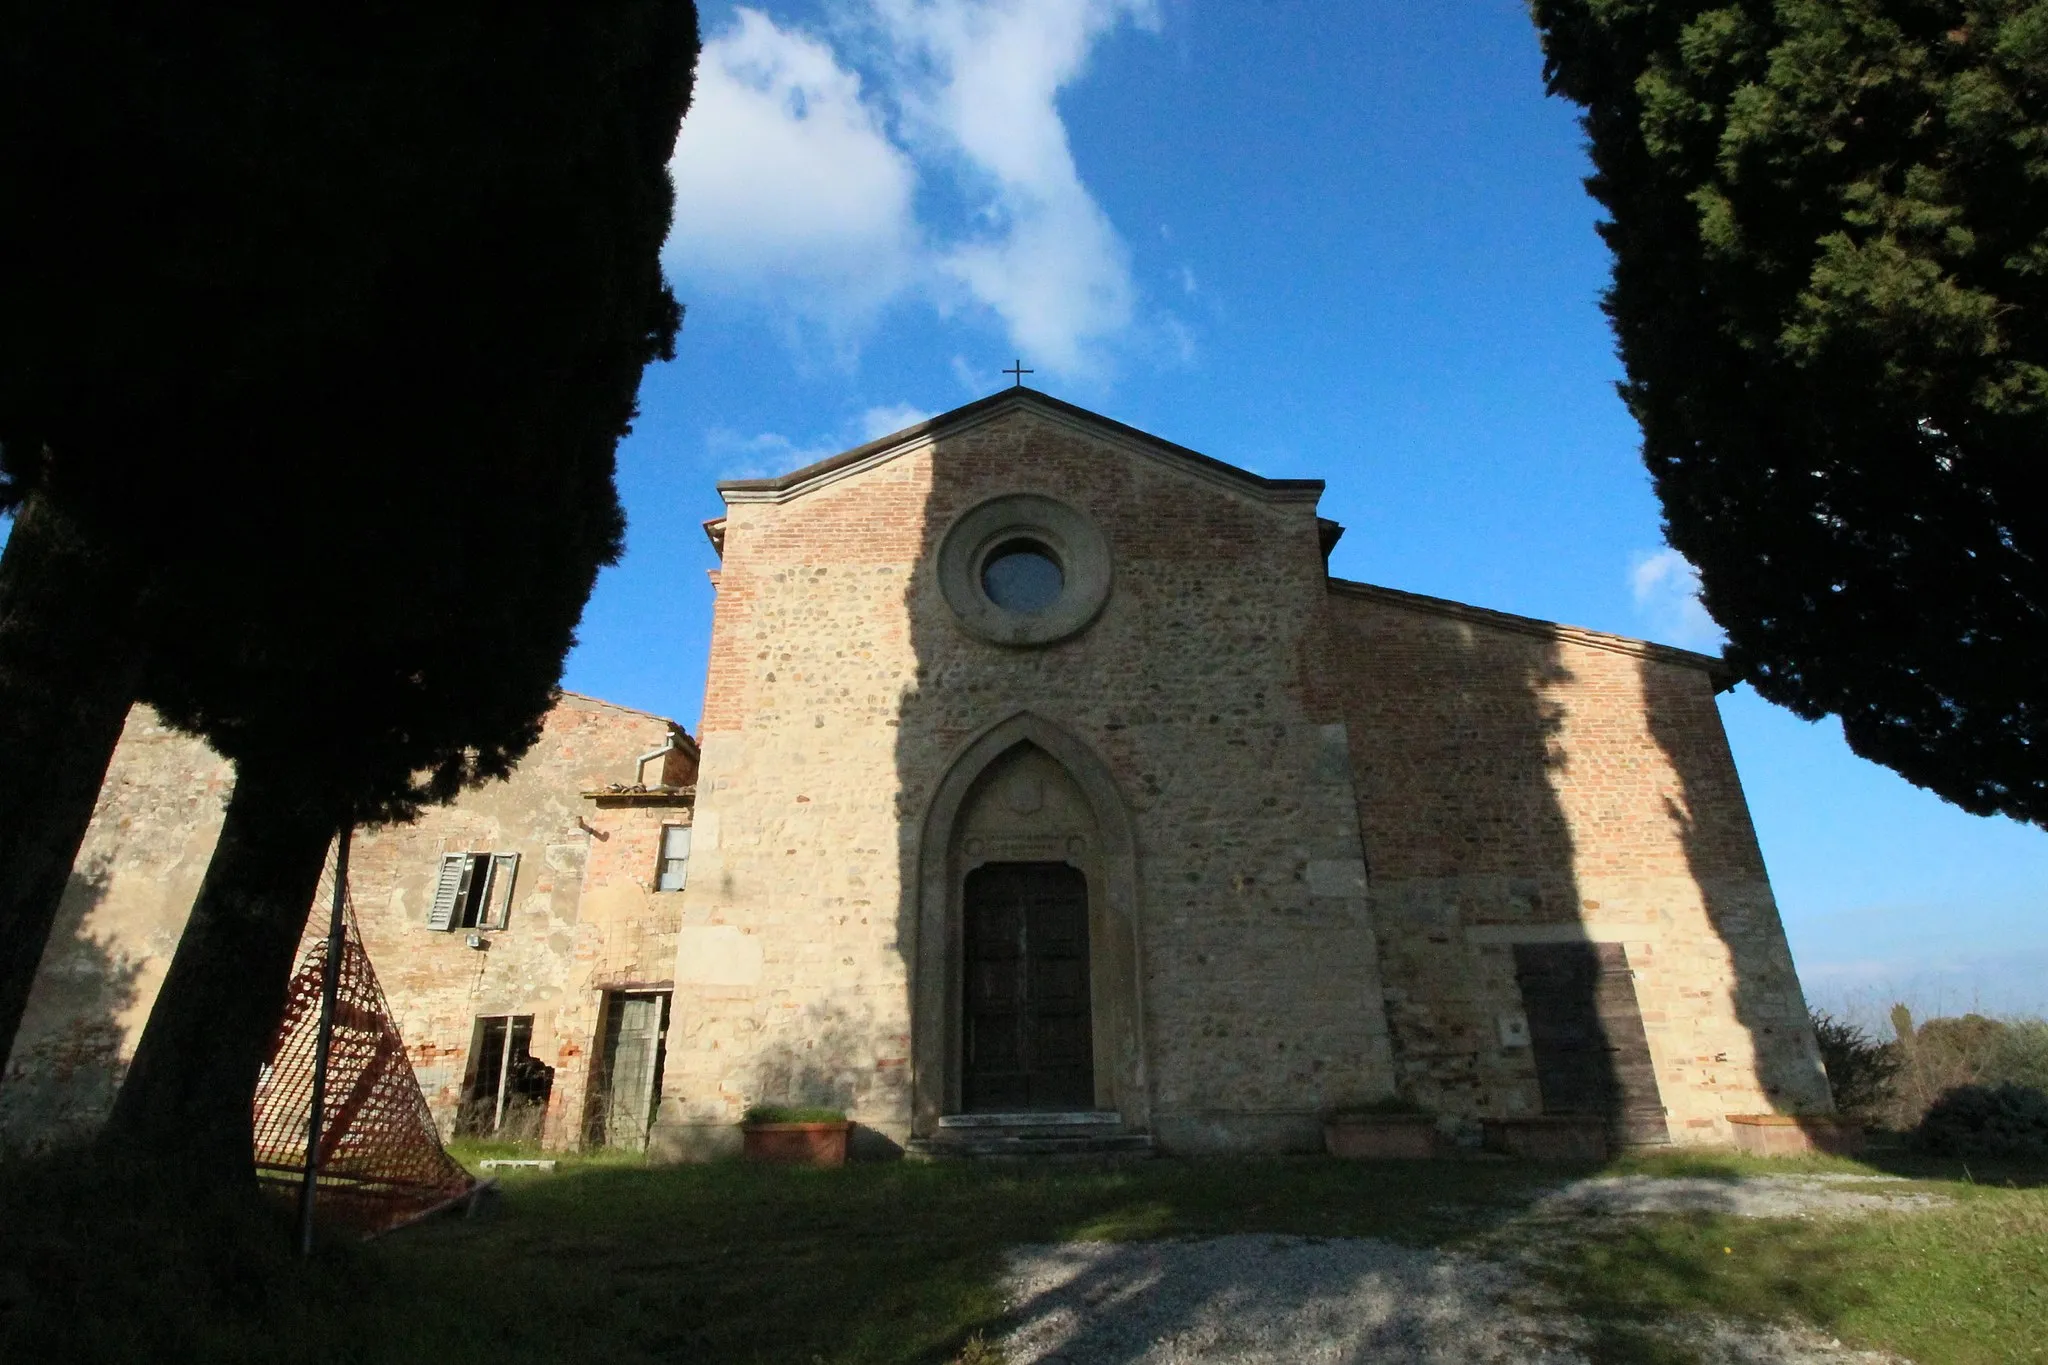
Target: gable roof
(798, 482)
(1717, 668)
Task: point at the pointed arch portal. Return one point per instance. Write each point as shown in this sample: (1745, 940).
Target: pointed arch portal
(1025, 992)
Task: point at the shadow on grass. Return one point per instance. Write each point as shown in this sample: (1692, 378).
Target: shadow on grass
(902, 1263)
(898, 1263)
(883, 1263)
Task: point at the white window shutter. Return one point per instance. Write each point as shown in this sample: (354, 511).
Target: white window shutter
(498, 895)
(448, 888)
(674, 871)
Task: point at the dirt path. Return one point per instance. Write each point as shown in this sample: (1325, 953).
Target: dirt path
(1267, 1300)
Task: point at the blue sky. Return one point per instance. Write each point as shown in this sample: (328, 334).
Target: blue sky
(1342, 241)
(1336, 241)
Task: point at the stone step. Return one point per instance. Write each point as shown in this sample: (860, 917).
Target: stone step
(1070, 1146)
(1030, 1122)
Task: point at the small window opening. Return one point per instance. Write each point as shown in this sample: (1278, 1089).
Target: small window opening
(474, 891)
(674, 871)
(1022, 576)
(505, 1092)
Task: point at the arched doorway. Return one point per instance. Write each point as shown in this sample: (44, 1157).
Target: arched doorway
(1026, 991)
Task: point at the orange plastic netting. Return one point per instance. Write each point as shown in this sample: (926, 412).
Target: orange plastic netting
(381, 1159)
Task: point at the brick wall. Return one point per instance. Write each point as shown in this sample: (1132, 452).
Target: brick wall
(840, 686)
(1524, 785)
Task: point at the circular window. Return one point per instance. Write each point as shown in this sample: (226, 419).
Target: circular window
(1022, 576)
(1023, 569)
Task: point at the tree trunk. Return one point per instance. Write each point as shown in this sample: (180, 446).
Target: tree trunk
(69, 670)
(189, 1092)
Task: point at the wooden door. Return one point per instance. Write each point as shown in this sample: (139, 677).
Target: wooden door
(1586, 1029)
(1026, 1033)
(634, 1027)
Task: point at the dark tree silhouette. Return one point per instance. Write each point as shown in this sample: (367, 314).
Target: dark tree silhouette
(359, 518)
(1830, 234)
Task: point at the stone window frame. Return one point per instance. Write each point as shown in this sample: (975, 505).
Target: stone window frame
(1072, 540)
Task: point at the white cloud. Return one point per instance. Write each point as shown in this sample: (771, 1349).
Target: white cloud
(888, 420)
(797, 182)
(1666, 589)
(980, 80)
(736, 456)
(787, 187)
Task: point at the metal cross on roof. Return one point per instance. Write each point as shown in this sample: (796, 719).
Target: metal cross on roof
(1017, 369)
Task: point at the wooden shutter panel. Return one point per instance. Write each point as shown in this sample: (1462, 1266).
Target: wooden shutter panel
(498, 902)
(449, 887)
(675, 858)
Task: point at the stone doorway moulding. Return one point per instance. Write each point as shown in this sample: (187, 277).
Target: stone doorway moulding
(1115, 965)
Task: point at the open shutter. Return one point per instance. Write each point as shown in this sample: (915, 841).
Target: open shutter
(674, 871)
(498, 896)
(449, 888)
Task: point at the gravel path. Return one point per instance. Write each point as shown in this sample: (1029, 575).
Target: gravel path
(1260, 1300)
(1756, 1196)
(1270, 1300)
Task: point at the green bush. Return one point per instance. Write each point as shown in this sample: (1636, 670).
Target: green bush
(1861, 1070)
(2008, 1121)
(791, 1113)
(2021, 1055)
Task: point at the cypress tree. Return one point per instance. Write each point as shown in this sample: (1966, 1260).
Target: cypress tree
(364, 501)
(1830, 232)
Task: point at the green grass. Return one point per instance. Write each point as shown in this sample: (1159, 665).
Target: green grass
(610, 1260)
(1966, 1285)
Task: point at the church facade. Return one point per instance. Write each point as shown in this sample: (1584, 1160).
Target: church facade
(1044, 769)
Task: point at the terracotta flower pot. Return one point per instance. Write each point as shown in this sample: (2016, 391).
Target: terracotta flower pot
(795, 1144)
(1795, 1134)
(1380, 1137)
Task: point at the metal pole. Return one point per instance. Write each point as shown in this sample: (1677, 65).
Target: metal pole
(330, 987)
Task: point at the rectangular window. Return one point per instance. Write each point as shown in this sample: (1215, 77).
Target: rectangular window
(675, 858)
(473, 891)
(505, 1089)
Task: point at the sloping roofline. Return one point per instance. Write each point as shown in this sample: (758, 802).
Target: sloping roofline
(675, 727)
(1715, 667)
(800, 481)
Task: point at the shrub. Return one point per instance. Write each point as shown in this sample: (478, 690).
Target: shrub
(1987, 1121)
(2021, 1055)
(1861, 1070)
(790, 1113)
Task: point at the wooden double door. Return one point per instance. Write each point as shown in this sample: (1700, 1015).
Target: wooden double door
(1027, 1042)
(1586, 1029)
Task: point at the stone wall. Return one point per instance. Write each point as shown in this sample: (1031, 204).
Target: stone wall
(144, 854)
(841, 691)
(556, 953)
(153, 832)
(1520, 782)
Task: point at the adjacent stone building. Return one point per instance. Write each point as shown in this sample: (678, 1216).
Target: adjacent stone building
(521, 935)
(1045, 770)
